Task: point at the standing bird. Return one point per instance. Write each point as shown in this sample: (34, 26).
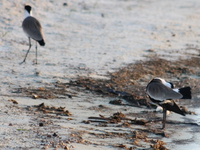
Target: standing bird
(32, 29)
(163, 93)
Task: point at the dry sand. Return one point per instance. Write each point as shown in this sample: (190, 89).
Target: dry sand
(88, 38)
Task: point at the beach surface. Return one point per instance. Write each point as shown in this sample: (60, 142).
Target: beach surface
(49, 106)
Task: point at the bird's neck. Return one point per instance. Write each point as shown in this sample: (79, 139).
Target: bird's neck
(27, 14)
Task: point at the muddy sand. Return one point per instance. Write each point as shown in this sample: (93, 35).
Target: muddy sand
(88, 90)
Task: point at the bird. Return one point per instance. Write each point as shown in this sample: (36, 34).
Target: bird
(33, 29)
(163, 93)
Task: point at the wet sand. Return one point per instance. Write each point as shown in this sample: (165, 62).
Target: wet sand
(88, 90)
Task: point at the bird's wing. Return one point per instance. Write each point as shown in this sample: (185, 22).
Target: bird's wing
(32, 28)
(172, 106)
(161, 92)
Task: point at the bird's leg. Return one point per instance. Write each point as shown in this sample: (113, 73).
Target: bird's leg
(36, 52)
(164, 116)
(28, 49)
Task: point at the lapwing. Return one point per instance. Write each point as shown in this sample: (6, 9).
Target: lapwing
(163, 93)
(32, 29)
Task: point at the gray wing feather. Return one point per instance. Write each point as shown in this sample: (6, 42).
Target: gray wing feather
(32, 28)
(161, 92)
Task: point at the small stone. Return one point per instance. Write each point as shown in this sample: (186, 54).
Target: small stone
(37, 73)
(65, 4)
(150, 50)
(34, 96)
(41, 124)
(67, 148)
(49, 136)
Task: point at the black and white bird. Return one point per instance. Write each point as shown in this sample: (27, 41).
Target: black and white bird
(163, 93)
(32, 29)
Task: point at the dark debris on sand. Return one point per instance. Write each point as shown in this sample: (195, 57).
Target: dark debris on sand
(58, 91)
(53, 110)
(116, 118)
(134, 137)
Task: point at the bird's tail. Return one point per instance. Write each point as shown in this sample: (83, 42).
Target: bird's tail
(186, 92)
(41, 42)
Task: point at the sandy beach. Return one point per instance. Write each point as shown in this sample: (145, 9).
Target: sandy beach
(55, 105)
